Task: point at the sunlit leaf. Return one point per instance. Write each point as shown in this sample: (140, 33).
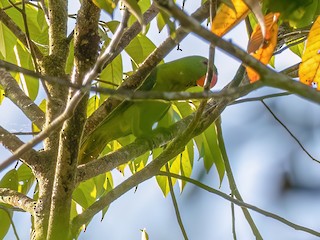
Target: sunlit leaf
(5, 221)
(226, 17)
(298, 49)
(93, 104)
(7, 42)
(265, 51)
(135, 9)
(30, 85)
(111, 76)
(85, 194)
(309, 70)
(107, 5)
(10, 180)
(209, 150)
(25, 179)
(140, 48)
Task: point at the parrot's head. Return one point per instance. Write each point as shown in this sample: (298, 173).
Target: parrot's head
(201, 80)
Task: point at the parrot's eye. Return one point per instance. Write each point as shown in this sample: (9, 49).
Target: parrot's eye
(205, 62)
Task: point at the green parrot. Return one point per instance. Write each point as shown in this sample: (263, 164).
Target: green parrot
(139, 117)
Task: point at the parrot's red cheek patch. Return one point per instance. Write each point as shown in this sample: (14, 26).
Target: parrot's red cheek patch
(201, 80)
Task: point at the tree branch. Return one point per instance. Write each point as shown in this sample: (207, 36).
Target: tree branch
(16, 199)
(242, 204)
(20, 99)
(86, 46)
(136, 79)
(175, 205)
(232, 182)
(140, 146)
(268, 76)
(212, 111)
(11, 142)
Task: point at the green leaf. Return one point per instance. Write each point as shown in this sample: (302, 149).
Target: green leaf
(93, 104)
(29, 84)
(309, 14)
(42, 106)
(10, 180)
(107, 186)
(25, 179)
(135, 9)
(70, 58)
(298, 49)
(111, 76)
(5, 221)
(209, 150)
(1, 94)
(85, 194)
(140, 48)
(107, 5)
(7, 42)
(144, 6)
(164, 19)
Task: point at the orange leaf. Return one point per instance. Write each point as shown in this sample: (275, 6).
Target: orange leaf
(256, 8)
(226, 18)
(265, 48)
(309, 70)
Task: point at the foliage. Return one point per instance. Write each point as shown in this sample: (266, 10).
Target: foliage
(65, 67)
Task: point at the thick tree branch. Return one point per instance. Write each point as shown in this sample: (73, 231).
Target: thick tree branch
(11, 142)
(86, 46)
(18, 200)
(19, 98)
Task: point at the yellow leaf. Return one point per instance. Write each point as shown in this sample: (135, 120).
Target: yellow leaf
(266, 49)
(226, 17)
(309, 70)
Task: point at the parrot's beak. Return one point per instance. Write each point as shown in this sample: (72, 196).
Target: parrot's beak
(200, 81)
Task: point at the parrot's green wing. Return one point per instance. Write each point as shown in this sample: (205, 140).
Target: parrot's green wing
(138, 118)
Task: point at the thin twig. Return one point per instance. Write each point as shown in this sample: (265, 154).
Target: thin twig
(288, 130)
(175, 205)
(254, 99)
(234, 232)
(242, 204)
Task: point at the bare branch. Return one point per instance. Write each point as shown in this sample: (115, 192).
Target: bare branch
(19, 98)
(288, 131)
(12, 143)
(175, 205)
(242, 204)
(16, 199)
(232, 182)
